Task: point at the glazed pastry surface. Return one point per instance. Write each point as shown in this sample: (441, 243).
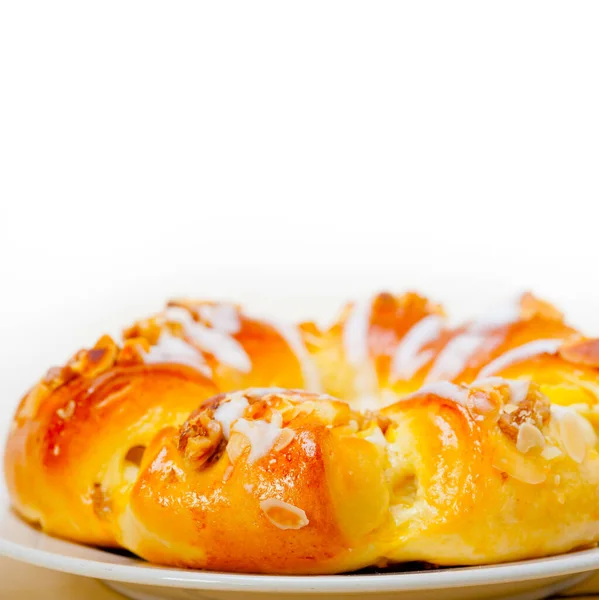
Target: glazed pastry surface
(208, 438)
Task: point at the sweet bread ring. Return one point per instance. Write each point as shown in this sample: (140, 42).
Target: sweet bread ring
(408, 464)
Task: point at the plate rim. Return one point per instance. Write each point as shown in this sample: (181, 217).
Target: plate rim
(154, 575)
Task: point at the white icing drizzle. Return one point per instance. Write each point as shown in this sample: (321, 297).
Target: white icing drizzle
(261, 434)
(223, 317)
(409, 357)
(220, 344)
(224, 348)
(292, 336)
(521, 353)
(518, 387)
(355, 333)
(452, 360)
(171, 349)
(443, 389)
(507, 314)
(355, 337)
(176, 314)
(228, 412)
(263, 391)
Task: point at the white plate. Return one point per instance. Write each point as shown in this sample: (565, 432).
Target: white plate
(525, 580)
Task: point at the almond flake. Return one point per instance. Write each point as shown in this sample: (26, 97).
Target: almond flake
(529, 437)
(573, 436)
(520, 470)
(227, 474)
(551, 452)
(283, 515)
(236, 446)
(286, 437)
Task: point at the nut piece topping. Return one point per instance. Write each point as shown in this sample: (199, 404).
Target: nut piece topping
(201, 438)
(535, 410)
(97, 360)
(283, 515)
(531, 306)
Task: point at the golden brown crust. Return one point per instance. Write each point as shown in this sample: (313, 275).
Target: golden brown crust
(301, 513)
(65, 460)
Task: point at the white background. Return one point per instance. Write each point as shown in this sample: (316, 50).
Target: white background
(292, 154)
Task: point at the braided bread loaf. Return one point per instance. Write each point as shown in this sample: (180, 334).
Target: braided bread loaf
(463, 445)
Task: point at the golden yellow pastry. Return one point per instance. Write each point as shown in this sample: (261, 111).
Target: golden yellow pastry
(453, 445)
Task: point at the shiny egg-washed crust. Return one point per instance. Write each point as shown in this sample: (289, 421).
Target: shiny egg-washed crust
(78, 434)
(390, 346)
(432, 478)
(104, 450)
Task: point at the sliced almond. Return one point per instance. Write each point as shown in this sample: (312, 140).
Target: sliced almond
(551, 452)
(529, 437)
(573, 436)
(305, 408)
(283, 515)
(286, 437)
(227, 474)
(581, 352)
(519, 467)
(237, 444)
